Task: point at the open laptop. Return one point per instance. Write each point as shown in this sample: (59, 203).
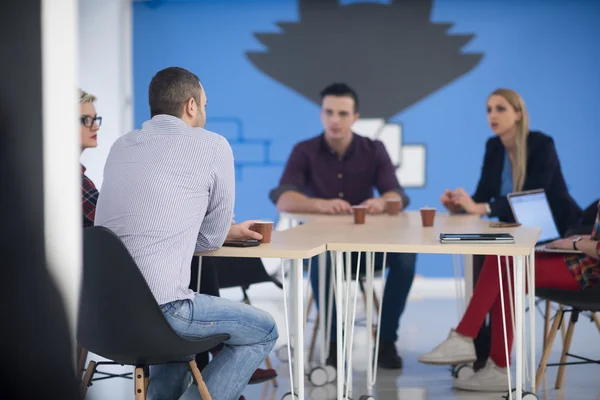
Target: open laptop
(531, 208)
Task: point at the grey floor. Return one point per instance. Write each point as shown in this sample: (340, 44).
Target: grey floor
(431, 312)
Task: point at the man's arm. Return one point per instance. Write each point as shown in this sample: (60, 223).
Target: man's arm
(219, 213)
(386, 180)
(293, 201)
(288, 195)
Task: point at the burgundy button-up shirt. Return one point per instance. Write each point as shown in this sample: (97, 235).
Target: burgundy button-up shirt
(315, 170)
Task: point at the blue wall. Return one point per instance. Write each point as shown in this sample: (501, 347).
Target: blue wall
(546, 50)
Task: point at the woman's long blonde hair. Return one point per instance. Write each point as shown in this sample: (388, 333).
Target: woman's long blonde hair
(519, 167)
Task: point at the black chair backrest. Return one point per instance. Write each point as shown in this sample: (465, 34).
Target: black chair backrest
(234, 272)
(585, 300)
(118, 316)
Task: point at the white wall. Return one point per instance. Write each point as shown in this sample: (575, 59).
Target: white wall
(105, 43)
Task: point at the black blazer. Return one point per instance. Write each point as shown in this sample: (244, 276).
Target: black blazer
(543, 172)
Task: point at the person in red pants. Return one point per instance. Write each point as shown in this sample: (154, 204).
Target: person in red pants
(573, 272)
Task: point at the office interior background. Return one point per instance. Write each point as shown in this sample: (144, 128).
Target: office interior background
(422, 82)
(263, 63)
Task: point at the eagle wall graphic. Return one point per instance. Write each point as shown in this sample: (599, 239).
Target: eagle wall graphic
(391, 54)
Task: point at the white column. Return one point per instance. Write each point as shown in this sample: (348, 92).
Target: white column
(62, 181)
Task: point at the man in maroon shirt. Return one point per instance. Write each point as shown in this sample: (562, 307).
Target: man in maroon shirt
(334, 171)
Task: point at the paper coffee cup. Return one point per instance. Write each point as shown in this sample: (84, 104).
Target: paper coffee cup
(393, 206)
(360, 214)
(265, 228)
(427, 216)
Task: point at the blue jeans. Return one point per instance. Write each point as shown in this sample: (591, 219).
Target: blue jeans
(253, 334)
(399, 280)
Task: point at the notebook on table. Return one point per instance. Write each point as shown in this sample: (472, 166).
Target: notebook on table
(531, 208)
(474, 238)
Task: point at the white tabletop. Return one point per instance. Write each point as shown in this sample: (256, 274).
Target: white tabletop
(300, 242)
(403, 233)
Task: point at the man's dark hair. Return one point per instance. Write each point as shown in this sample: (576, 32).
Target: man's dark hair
(170, 88)
(340, 90)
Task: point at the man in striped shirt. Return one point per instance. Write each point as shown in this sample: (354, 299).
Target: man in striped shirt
(169, 191)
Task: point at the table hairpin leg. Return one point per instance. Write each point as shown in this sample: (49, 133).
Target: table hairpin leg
(339, 262)
(373, 355)
(297, 372)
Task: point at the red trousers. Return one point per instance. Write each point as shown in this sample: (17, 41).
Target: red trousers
(551, 271)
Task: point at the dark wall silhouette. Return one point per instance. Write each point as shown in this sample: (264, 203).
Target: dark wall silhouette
(393, 55)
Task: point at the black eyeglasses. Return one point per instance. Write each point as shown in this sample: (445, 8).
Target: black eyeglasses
(88, 121)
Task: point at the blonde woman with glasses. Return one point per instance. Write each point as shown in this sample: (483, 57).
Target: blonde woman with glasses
(90, 124)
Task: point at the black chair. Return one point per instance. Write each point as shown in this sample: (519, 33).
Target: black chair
(242, 272)
(120, 320)
(577, 302)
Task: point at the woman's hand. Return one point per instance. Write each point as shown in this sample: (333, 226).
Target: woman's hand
(564, 244)
(446, 200)
(462, 199)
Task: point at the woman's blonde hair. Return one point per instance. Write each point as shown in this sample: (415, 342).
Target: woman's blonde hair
(519, 167)
(85, 97)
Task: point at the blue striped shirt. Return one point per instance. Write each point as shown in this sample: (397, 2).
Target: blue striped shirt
(168, 190)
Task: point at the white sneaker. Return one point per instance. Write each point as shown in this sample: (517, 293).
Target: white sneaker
(490, 378)
(457, 349)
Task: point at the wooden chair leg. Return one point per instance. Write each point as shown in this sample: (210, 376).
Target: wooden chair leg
(139, 384)
(548, 347)
(560, 377)
(375, 302)
(363, 291)
(309, 305)
(563, 331)
(87, 378)
(199, 381)
(313, 339)
(82, 355)
(547, 316)
(596, 320)
(270, 366)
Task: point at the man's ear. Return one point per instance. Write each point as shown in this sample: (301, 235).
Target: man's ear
(190, 107)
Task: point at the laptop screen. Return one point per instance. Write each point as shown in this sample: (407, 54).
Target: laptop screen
(532, 209)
